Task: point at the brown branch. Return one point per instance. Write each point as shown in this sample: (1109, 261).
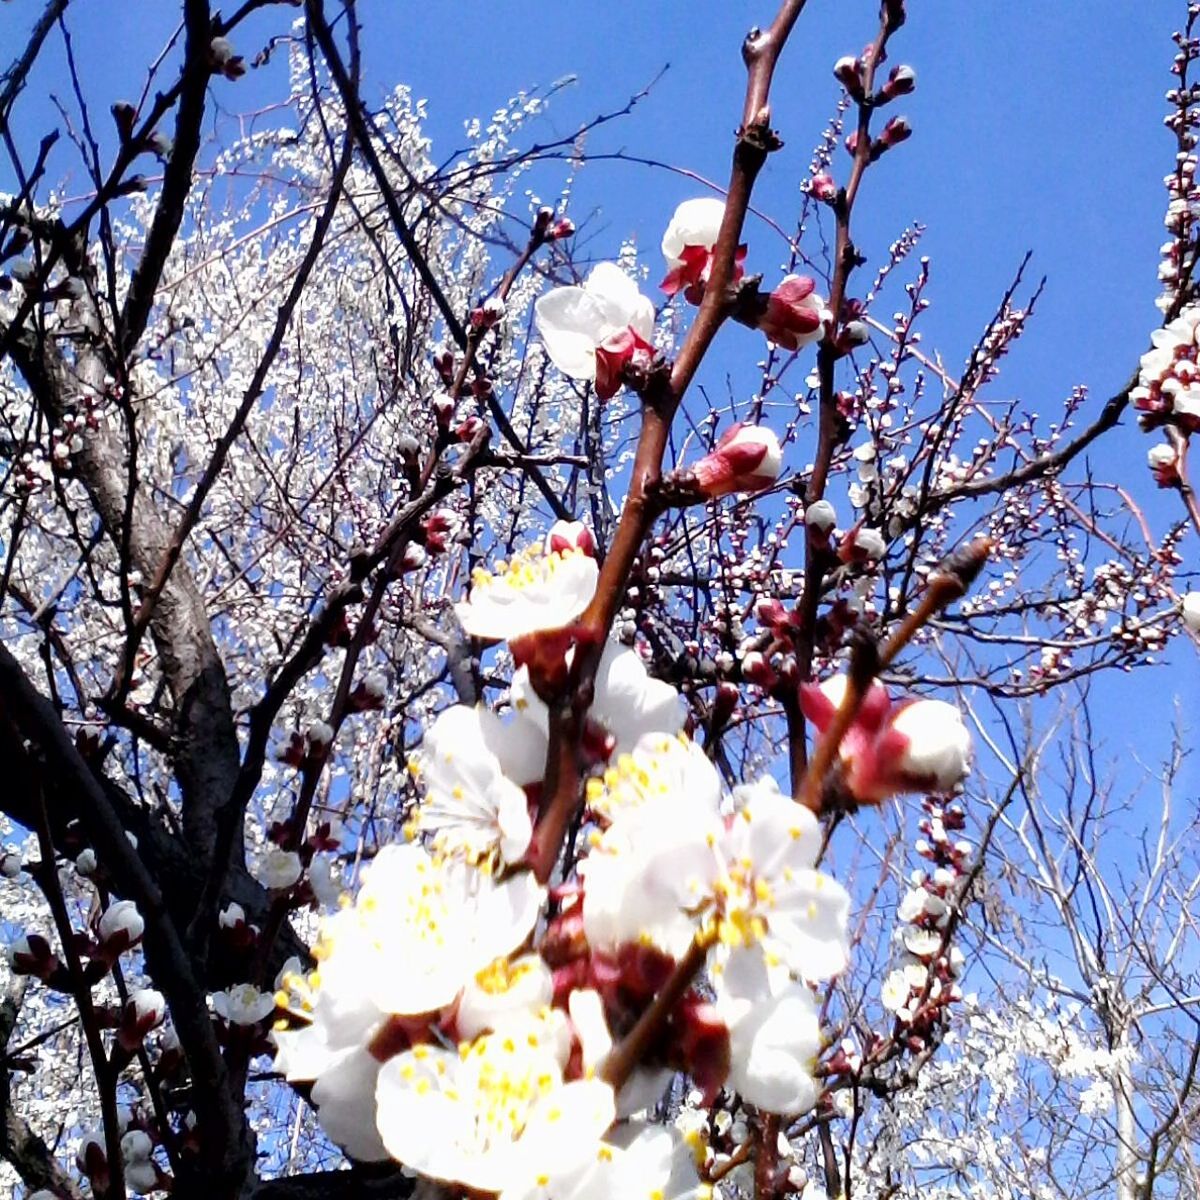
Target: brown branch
(233, 431)
(364, 133)
(177, 178)
(102, 1067)
(660, 401)
(227, 1151)
(13, 80)
(28, 1155)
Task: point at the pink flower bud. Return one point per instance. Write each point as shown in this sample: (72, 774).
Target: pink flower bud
(564, 228)
(770, 612)
(443, 408)
(143, 1011)
(31, 955)
(469, 428)
(121, 926)
(911, 745)
(795, 315)
(862, 545)
(565, 536)
(901, 81)
(848, 72)
(624, 349)
(1164, 465)
(821, 516)
(748, 458)
(822, 187)
(488, 314)
(756, 670)
(854, 333)
(897, 130)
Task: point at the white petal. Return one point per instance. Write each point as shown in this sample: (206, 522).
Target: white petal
(571, 324)
(695, 223)
(345, 1100)
(618, 299)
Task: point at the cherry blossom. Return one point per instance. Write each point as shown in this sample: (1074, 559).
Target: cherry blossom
(627, 703)
(592, 332)
(747, 458)
(472, 806)
(911, 745)
(243, 1004)
(687, 245)
(795, 315)
(495, 1115)
(536, 591)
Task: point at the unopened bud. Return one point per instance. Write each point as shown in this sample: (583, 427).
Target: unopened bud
(848, 72)
(901, 82)
(489, 313)
(757, 670)
(821, 516)
(414, 558)
(443, 408)
(1164, 465)
(319, 736)
(822, 187)
(854, 333)
(469, 429)
(121, 926)
(748, 458)
(897, 130)
(565, 536)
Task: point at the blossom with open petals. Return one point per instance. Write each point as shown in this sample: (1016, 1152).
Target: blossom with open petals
(422, 925)
(472, 807)
(774, 1034)
(592, 332)
(626, 704)
(534, 592)
(243, 1004)
(688, 246)
(494, 1115)
(279, 869)
(635, 1161)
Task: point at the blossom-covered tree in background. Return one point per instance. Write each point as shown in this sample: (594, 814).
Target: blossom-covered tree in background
(447, 752)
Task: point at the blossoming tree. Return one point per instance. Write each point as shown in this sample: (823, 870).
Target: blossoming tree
(447, 753)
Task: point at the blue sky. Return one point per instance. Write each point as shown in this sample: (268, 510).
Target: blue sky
(1038, 126)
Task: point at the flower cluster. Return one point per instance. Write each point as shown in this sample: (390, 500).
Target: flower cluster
(922, 983)
(488, 1031)
(1168, 389)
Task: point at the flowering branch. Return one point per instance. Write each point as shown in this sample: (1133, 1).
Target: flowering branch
(661, 395)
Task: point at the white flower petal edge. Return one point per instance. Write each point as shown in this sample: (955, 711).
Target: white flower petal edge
(574, 321)
(535, 592)
(471, 807)
(429, 924)
(627, 703)
(496, 1115)
(694, 223)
